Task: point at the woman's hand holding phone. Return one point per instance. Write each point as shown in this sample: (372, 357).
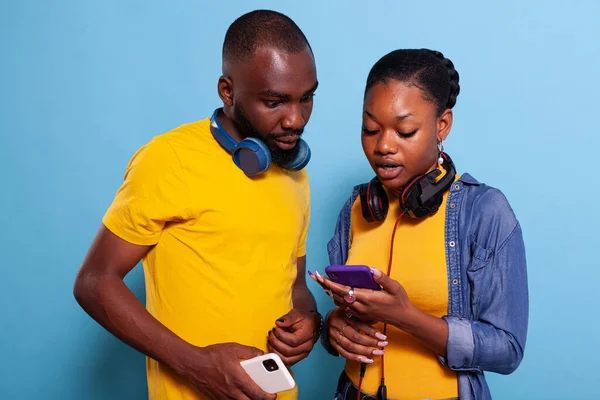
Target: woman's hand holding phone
(389, 305)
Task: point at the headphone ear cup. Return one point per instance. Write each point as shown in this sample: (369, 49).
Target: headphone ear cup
(409, 196)
(379, 200)
(302, 157)
(423, 195)
(373, 201)
(252, 156)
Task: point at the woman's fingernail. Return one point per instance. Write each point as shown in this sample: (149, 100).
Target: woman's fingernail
(366, 360)
(382, 344)
(380, 336)
(378, 352)
(319, 277)
(310, 273)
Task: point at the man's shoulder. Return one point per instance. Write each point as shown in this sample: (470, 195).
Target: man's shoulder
(168, 146)
(163, 150)
(187, 133)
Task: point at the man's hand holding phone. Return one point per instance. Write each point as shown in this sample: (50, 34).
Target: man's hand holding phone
(217, 373)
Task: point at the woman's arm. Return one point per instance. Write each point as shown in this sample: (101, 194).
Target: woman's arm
(496, 340)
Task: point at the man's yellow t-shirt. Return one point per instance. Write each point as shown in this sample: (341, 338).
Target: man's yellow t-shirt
(225, 249)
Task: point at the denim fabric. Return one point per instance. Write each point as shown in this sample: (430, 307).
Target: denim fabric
(488, 307)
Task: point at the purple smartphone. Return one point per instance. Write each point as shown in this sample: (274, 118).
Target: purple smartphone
(356, 276)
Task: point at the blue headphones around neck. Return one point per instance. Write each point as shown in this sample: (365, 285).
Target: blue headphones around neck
(251, 155)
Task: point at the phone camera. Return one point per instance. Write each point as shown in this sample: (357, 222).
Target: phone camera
(270, 365)
(334, 275)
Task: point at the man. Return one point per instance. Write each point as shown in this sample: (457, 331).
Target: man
(223, 248)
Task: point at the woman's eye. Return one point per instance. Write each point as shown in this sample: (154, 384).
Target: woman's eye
(369, 131)
(407, 134)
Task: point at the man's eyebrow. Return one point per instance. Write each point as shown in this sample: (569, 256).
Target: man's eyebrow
(283, 96)
(312, 89)
(273, 93)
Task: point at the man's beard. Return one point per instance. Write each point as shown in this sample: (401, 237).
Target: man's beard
(246, 129)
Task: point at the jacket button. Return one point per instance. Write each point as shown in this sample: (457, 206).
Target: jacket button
(455, 282)
(451, 243)
(452, 205)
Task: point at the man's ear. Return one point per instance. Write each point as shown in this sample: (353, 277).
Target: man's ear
(225, 90)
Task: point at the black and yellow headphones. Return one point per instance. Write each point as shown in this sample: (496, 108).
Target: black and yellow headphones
(421, 197)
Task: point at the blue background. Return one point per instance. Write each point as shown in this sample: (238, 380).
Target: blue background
(83, 84)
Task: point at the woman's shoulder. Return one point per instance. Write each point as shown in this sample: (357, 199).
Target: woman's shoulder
(485, 196)
(487, 205)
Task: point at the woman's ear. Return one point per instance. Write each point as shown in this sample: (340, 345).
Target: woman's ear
(444, 125)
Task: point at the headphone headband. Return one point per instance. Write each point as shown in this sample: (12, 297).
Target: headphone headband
(220, 133)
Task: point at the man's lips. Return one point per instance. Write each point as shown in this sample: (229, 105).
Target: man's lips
(286, 142)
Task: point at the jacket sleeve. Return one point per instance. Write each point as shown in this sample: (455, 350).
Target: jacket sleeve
(338, 253)
(495, 341)
(336, 249)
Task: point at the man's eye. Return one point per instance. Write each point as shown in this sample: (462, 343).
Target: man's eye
(273, 103)
(308, 97)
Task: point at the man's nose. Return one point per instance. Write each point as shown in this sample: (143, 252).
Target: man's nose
(293, 119)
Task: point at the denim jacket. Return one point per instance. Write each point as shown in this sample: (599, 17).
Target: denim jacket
(488, 300)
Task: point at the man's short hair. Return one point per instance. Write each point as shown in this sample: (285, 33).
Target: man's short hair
(261, 28)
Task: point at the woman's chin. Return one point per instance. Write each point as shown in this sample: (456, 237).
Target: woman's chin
(393, 186)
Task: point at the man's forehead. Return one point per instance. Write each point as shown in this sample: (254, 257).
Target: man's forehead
(277, 70)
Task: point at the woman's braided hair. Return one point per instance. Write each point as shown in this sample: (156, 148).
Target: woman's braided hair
(426, 69)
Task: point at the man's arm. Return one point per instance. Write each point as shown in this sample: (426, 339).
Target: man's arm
(296, 332)
(101, 292)
(302, 298)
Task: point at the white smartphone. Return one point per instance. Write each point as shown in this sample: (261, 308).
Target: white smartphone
(269, 373)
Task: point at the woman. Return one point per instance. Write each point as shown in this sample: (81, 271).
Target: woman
(447, 250)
